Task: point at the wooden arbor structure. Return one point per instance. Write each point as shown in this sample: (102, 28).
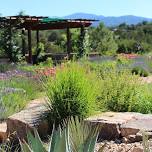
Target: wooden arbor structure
(37, 23)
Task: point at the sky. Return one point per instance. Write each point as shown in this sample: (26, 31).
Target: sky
(65, 7)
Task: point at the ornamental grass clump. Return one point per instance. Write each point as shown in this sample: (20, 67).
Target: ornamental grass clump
(71, 93)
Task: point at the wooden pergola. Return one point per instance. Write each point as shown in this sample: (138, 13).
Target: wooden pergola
(37, 23)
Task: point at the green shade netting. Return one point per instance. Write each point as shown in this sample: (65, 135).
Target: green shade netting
(47, 20)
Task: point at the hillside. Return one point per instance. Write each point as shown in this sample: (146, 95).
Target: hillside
(111, 20)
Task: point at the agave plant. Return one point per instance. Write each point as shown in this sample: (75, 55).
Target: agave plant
(76, 136)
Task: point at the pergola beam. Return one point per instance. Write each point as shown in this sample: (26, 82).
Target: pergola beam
(56, 26)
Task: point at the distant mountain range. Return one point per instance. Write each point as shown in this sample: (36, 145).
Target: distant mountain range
(111, 20)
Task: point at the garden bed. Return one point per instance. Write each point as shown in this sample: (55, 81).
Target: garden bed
(78, 89)
(17, 87)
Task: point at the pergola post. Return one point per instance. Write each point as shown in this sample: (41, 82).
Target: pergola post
(23, 42)
(37, 37)
(68, 42)
(30, 46)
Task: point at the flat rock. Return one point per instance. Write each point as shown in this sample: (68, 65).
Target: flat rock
(141, 122)
(109, 123)
(26, 120)
(3, 131)
(134, 126)
(125, 125)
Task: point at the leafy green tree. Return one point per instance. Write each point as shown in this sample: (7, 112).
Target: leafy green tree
(134, 38)
(102, 40)
(10, 43)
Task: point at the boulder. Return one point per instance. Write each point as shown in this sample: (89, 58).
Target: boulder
(3, 132)
(140, 122)
(109, 123)
(127, 126)
(28, 119)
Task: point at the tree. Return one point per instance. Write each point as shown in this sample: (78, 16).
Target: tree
(102, 40)
(10, 42)
(134, 38)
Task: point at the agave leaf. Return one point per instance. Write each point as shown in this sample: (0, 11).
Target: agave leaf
(54, 140)
(25, 147)
(82, 135)
(58, 141)
(35, 142)
(89, 145)
(91, 138)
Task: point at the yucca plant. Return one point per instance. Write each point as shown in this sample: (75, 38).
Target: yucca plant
(76, 136)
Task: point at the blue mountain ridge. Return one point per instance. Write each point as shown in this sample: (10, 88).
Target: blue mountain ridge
(110, 20)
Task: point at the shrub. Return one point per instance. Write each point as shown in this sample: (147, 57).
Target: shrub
(48, 62)
(31, 87)
(70, 93)
(140, 71)
(38, 53)
(122, 60)
(11, 103)
(4, 67)
(53, 48)
(119, 91)
(102, 68)
(144, 102)
(16, 93)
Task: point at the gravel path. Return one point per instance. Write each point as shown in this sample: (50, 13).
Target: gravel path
(114, 147)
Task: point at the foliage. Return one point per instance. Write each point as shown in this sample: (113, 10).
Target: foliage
(10, 43)
(76, 136)
(9, 108)
(81, 42)
(134, 38)
(38, 52)
(144, 102)
(102, 40)
(119, 91)
(53, 48)
(140, 71)
(48, 63)
(123, 61)
(5, 67)
(15, 94)
(70, 93)
(31, 86)
(103, 68)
